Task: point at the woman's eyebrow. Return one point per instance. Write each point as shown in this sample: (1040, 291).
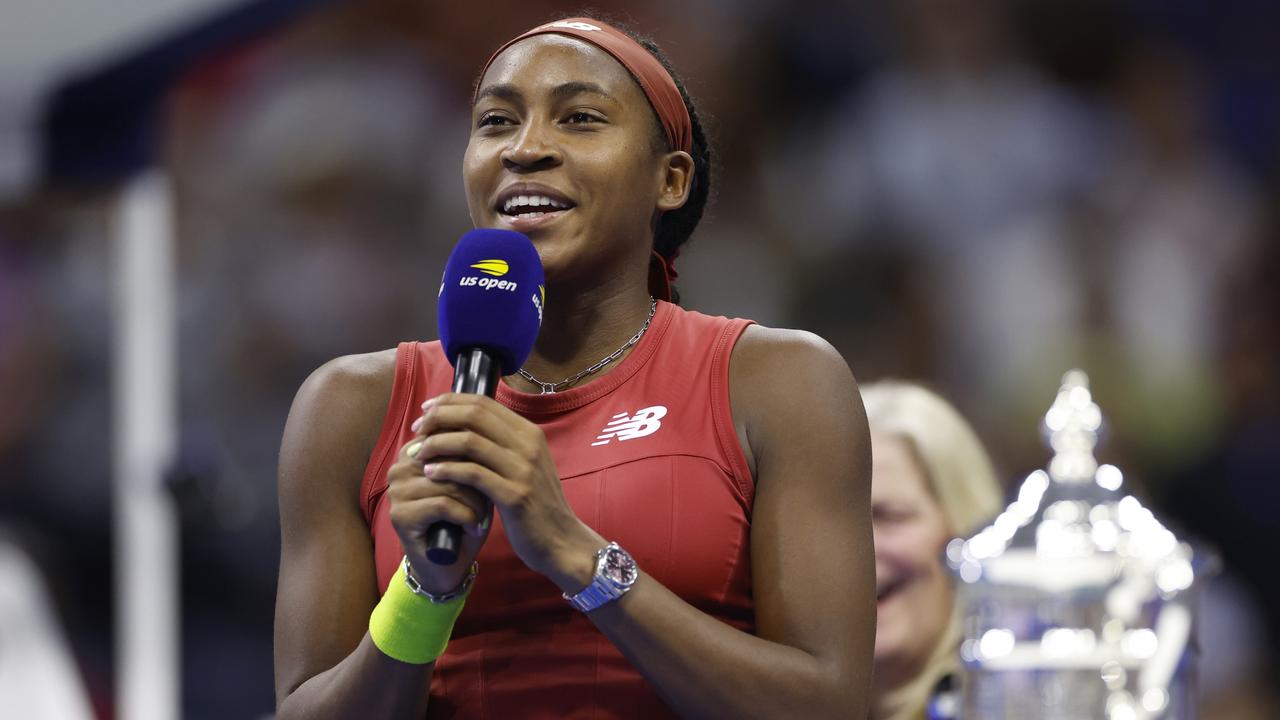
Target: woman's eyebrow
(502, 92)
(511, 93)
(578, 87)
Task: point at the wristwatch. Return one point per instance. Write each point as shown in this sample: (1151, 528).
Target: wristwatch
(615, 573)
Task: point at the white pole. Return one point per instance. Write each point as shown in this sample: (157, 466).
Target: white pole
(144, 436)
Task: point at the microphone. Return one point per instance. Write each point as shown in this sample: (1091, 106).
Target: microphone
(489, 313)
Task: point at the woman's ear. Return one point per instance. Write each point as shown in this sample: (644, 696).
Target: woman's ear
(677, 180)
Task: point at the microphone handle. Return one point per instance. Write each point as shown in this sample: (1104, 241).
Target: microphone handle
(476, 371)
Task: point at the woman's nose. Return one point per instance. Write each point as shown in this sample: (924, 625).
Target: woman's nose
(882, 540)
(531, 148)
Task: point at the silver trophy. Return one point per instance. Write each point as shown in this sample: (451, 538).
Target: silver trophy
(1077, 603)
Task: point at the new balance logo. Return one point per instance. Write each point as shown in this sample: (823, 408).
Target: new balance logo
(644, 422)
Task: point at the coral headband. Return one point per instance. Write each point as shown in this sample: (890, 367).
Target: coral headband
(655, 81)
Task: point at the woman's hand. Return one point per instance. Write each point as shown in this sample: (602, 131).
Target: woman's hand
(473, 445)
(418, 502)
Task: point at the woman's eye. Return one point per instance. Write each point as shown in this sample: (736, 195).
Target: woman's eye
(582, 117)
(493, 119)
(891, 515)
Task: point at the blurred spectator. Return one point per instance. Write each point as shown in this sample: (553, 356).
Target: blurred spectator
(1229, 494)
(960, 154)
(1234, 679)
(931, 481)
(318, 199)
(55, 435)
(1177, 219)
(876, 304)
(27, 366)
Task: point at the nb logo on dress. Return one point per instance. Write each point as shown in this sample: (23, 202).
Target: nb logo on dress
(644, 422)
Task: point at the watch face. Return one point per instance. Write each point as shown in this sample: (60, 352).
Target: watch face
(618, 567)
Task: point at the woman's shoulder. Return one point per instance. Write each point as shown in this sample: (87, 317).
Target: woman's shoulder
(774, 370)
(785, 351)
(352, 381)
(762, 343)
(337, 413)
(785, 384)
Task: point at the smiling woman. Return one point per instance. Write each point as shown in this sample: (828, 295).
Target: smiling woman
(679, 526)
(931, 481)
(631, 103)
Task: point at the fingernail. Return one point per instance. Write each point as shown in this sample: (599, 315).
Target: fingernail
(484, 524)
(413, 449)
(417, 424)
(429, 469)
(428, 403)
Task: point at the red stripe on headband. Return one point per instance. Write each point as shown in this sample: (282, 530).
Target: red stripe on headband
(655, 81)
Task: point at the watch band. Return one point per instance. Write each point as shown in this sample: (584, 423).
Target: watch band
(593, 596)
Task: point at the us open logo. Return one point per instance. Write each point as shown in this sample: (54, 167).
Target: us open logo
(494, 268)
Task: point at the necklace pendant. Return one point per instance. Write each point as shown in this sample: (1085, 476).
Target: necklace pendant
(547, 388)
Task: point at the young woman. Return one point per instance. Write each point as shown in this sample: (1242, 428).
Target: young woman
(931, 481)
(696, 488)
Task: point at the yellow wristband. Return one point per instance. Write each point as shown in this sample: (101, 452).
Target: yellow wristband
(409, 627)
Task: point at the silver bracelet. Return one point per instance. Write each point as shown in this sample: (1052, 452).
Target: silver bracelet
(442, 598)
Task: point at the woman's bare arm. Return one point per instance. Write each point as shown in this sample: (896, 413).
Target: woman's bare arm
(326, 666)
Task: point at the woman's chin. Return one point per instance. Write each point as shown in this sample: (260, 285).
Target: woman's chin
(892, 665)
(892, 637)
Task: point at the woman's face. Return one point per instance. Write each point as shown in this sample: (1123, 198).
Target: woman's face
(913, 591)
(561, 126)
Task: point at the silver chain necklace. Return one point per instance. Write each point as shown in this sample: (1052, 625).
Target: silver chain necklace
(549, 388)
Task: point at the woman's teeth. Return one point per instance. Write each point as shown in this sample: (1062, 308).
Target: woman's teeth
(532, 205)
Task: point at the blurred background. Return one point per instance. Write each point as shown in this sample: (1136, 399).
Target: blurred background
(977, 194)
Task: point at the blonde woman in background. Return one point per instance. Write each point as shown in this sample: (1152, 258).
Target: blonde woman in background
(931, 481)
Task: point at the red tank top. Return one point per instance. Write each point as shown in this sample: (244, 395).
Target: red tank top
(648, 457)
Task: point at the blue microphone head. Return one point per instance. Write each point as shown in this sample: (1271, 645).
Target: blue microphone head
(491, 297)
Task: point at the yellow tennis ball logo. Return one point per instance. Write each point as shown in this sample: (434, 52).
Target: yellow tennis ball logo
(496, 268)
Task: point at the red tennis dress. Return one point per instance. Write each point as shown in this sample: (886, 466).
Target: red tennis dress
(648, 457)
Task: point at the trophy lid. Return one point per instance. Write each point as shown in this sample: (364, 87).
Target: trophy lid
(1073, 525)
